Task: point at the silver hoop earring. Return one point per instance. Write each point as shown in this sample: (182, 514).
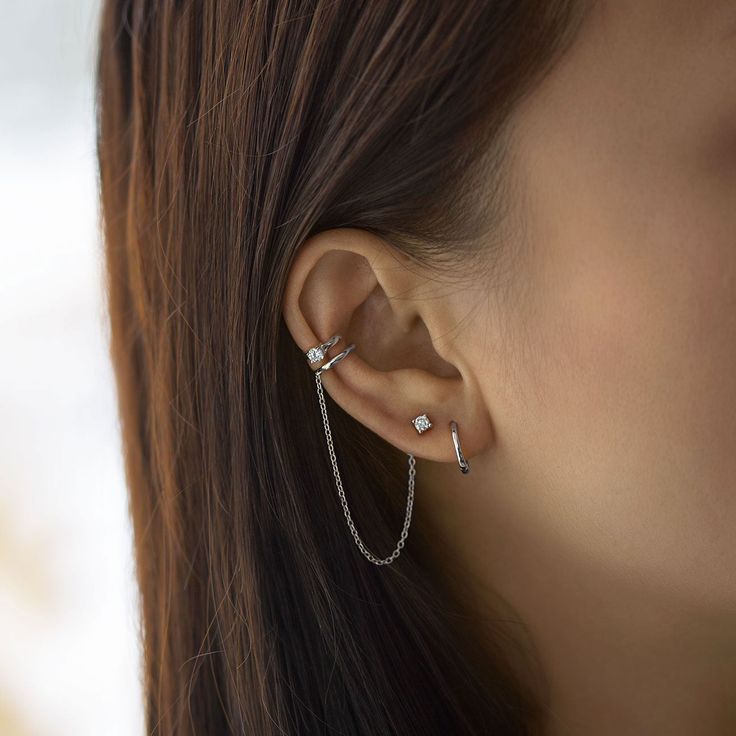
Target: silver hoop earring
(462, 462)
(338, 482)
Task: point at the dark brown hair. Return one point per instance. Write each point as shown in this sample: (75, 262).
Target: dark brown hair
(228, 133)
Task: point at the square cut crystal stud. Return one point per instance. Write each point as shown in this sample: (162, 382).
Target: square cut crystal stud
(421, 423)
(315, 354)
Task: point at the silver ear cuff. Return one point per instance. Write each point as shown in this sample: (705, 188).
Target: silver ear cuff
(335, 360)
(421, 424)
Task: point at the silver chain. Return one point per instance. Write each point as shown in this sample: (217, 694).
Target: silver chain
(409, 503)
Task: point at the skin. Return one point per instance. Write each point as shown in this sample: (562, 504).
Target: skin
(595, 393)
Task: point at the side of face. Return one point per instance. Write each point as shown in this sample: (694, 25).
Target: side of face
(613, 390)
(595, 392)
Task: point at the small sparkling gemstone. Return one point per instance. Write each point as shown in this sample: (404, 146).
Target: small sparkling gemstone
(315, 354)
(421, 423)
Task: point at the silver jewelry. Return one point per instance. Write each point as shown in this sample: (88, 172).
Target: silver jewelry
(421, 423)
(462, 462)
(338, 482)
(334, 361)
(317, 353)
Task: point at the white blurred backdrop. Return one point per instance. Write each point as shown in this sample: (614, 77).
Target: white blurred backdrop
(69, 652)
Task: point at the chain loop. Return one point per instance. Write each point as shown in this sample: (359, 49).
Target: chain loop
(338, 482)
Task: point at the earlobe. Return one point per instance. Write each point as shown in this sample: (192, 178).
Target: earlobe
(347, 282)
(421, 424)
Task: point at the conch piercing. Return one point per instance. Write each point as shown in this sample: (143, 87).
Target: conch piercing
(462, 462)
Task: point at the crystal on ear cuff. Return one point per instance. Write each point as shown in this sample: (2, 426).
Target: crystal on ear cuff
(318, 352)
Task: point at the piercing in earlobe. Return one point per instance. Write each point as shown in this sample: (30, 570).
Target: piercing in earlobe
(421, 423)
(462, 462)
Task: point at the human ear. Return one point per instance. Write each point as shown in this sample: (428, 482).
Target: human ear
(351, 282)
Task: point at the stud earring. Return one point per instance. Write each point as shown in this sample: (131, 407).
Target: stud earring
(421, 423)
(462, 462)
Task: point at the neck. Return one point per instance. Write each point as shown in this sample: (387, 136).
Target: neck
(616, 653)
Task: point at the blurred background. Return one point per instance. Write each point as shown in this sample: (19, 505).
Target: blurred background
(69, 652)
